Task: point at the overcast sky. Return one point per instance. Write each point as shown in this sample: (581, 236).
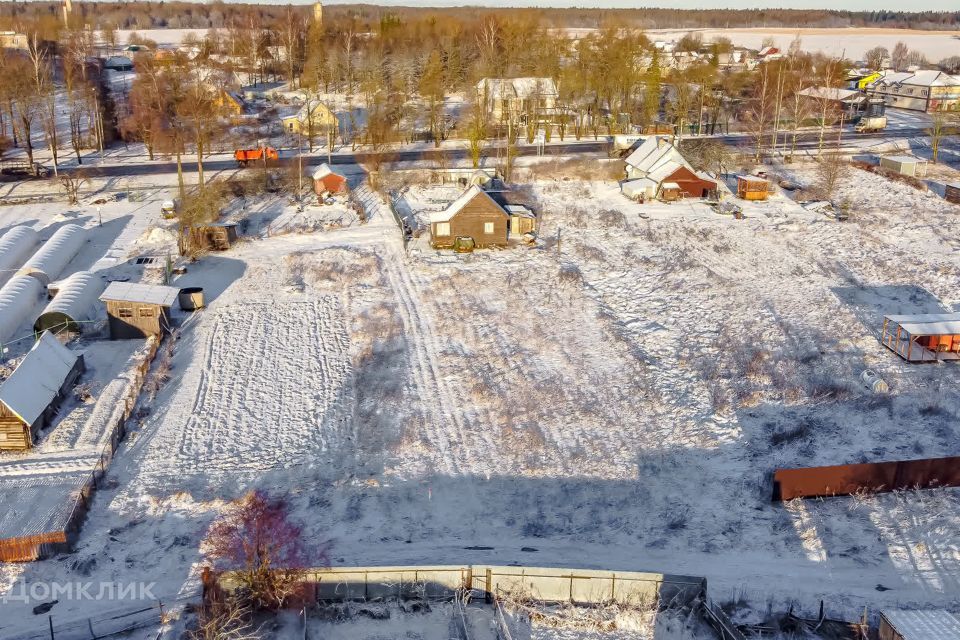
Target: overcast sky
(853, 5)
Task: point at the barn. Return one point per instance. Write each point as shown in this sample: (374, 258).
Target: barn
(753, 188)
(931, 624)
(138, 310)
(18, 299)
(690, 183)
(928, 337)
(16, 245)
(326, 181)
(473, 218)
(655, 163)
(74, 302)
(30, 397)
(56, 253)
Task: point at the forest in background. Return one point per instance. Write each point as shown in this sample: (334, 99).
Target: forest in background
(193, 15)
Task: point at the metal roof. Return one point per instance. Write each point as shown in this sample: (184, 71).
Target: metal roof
(143, 293)
(37, 379)
(929, 324)
(467, 196)
(753, 179)
(935, 624)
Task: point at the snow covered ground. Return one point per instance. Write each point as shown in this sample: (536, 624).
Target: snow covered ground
(614, 401)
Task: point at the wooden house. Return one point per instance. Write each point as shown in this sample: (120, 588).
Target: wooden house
(902, 624)
(30, 397)
(474, 216)
(753, 188)
(951, 192)
(657, 162)
(326, 181)
(928, 337)
(313, 118)
(229, 103)
(138, 310)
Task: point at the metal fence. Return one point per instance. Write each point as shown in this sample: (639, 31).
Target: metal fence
(103, 625)
(848, 479)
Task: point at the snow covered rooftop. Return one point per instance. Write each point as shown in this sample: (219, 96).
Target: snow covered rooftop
(923, 78)
(460, 203)
(657, 157)
(904, 159)
(752, 179)
(37, 380)
(500, 88)
(145, 293)
(829, 93)
(923, 625)
(929, 324)
(323, 171)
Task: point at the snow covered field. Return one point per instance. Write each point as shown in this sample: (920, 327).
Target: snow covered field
(616, 401)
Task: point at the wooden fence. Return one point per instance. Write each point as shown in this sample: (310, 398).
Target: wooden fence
(848, 479)
(49, 543)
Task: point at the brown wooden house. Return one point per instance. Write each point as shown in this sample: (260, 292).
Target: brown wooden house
(689, 183)
(31, 396)
(473, 219)
(138, 310)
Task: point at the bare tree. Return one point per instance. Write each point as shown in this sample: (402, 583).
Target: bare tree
(830, 173)
(71, 183)
(45, 92)
(898, 58)
(942, 125)
(875, 57)
(225, 618)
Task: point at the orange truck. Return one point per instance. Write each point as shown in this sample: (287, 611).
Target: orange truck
(246, 156)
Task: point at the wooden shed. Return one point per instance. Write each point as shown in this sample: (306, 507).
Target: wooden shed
(326, 181)
(670, 191)
(30, 397)
(474, 215)
(690, 184)
(753, 188)
(951, 192)
(928, 337)
(138, 310)
(930, 624)
(219, 236)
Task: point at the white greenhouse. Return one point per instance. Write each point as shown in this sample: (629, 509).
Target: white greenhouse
(18, 299)
(16, 245)
(53, 257)
(75, 302)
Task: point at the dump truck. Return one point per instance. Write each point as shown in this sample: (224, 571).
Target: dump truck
(866, 125)
(246, 156)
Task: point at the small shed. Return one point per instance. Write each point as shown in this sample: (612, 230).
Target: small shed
(138, 310)
(928, 337)
(905, 165)
(30, 397)
(74, 302)
(16, 245)
(670, 191)
(931, 624)
(522, 219)
(56, 253)
(951, 192)
(753, 188)
(326, 181)
(474, 215)
(639, 189)
(118, 63)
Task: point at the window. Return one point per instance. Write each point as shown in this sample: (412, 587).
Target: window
(124, 312)
(488, 228)
(145, 312)
(443, 229)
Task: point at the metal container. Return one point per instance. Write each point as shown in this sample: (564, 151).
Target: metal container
(191, 298)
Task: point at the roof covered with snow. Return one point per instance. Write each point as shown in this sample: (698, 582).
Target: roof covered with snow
(923, 625)
(56, 253)
(922, 78)
(657, 158)
(904, 159)
(460, 203)
(323, 171)
(501, 88)
(36, 382)
(829, 93)
(929, 324)
(142, 293)
(76, 296)
(16, 245)
(18, 299)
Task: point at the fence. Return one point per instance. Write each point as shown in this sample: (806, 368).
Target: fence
(847, 479)
(104, 625)
(720, 622)
(46, 544)
(580, 586)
